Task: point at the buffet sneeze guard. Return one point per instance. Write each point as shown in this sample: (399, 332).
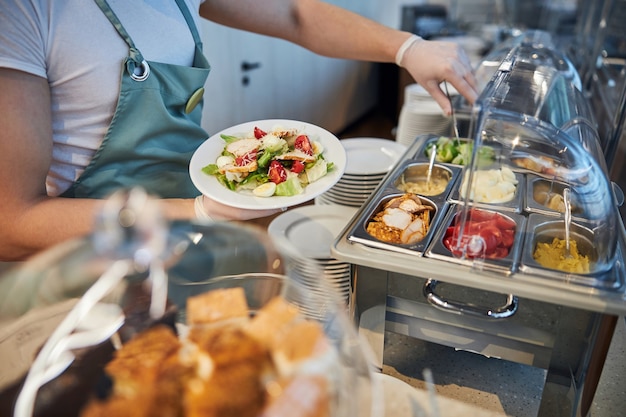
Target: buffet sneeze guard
(506, 302)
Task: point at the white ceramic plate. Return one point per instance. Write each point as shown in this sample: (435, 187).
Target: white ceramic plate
(352, 202)
(367, 183)
(208, 152)
(340, 198)
(324, 200)
(363, 179)
(342, 185)
(371, 155)
(311, 229)
(348, 195)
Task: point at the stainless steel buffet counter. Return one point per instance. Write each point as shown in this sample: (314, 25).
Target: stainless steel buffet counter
(504, 304)
(521, 317)
(610, 300)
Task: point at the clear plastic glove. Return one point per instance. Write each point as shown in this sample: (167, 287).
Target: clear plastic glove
(432, 62)
(208, 209)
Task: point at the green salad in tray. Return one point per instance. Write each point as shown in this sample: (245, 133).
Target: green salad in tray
(458, 152)
(281, 162)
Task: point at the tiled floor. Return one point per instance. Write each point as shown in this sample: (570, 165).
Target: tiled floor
(504, 387)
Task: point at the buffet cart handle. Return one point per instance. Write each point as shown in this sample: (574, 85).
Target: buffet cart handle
(457, 307)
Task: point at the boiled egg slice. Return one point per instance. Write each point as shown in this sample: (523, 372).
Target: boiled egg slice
(265, 190)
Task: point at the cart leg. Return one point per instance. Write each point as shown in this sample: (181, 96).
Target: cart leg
(578, 347)
(369, 308)
(598, 356)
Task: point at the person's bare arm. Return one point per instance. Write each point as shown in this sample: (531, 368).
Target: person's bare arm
(29, 219)
(335, 32)
(318, 26)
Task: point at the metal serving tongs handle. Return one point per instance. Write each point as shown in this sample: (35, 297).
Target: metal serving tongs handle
(455, 127)
(568, 220)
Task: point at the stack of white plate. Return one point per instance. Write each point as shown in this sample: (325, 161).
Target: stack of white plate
(368, 160)
(311, 231)
(420, 114)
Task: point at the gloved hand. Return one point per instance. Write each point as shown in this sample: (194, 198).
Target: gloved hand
(432, 62)
(207, 209)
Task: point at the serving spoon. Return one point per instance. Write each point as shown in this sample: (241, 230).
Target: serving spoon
(431, 162)
(568, 221)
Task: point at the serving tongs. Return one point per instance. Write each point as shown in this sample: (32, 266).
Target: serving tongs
(433, 150)
(551, 192)
(455, 127)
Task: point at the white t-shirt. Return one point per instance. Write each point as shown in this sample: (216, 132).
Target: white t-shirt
(73, 45)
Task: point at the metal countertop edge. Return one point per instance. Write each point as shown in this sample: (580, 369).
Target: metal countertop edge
(520, 284)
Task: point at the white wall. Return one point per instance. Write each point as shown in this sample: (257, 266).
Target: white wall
(291, 83)
(389, 11)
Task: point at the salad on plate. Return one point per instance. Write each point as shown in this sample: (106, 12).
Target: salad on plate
(279, 161)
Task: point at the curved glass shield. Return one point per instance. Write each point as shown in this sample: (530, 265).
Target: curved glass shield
(176, 285)
(548, 183)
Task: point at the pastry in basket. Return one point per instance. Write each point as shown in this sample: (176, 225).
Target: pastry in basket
(225, 364)
(140, 374)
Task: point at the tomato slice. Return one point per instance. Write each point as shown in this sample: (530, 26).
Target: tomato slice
(277, 173)
(466, 244)
(478, 215)
(246, 159)
(486, 234)
(472, 227)
(504, 222)
(450, 243)
(258, 133)
(303, 144)
(508, 237)
(297, 167)
(492, 237)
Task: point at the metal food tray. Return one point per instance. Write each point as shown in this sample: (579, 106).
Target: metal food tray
(437, 259)
(506, 265)
(515, 205)
(542, 229)
(531, 204)
(359, 233)
(420, 154)
(388, 190)
(541, 161)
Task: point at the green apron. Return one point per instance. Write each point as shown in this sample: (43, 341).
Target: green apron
(155, 128)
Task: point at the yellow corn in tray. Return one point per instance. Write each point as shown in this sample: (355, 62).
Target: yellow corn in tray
(552, 255)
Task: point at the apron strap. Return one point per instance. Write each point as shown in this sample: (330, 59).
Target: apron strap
(136, 66)
(134, 53)
(190, 22)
